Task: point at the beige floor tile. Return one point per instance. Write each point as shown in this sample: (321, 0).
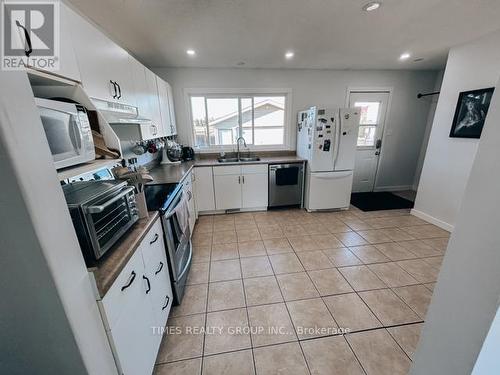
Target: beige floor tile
(222, 226)
(270, 325)
(202, 239)
(342, 257)
(407, 337)
(285, 263)
(233, 335)
(336, 226)
(293, 230)
(184, 345)
(318, 353)
(201, 254)
(225, 270)
(418, 297)
(240, 363)
(388, 307)
(430, 286)
(207, 227)
(392, 275)
(394, 251)
(439, 244)
(262, 290)
(420, 270)
(225, 295)
(396, 234)
(368, 254)
(383, 222)
(378, 353)
(374, 236)
(277, 246)
(280, 360)
(329, 282)
(409, 220)
(245, 226)
(251, 249)
(187, 367)
(246, 235)
(426, 231)
(256, 266)
(357, 224)
(271, 231)
(350, 312)
(198, 274)
(193, 302)
(303, 243)
(314, 260)
(223, 218)
(226, 236)
(351, 239)
(225, 251)
(311, 318)
(361, 278)
(435, 262)
(327, 241)
(296, 286)
(419, 248)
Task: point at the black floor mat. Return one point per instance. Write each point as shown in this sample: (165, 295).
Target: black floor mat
(379, 201)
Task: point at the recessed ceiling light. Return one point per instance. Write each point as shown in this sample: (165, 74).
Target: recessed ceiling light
(191, 52)
(289, 54)
(371, 6)
(404, 56)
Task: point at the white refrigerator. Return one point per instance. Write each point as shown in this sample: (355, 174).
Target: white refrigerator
(326, 138)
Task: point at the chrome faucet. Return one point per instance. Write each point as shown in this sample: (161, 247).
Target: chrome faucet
(238, 145)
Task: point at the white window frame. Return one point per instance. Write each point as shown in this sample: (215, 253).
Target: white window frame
(243, 93)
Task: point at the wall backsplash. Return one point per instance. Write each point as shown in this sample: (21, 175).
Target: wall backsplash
(145, 158)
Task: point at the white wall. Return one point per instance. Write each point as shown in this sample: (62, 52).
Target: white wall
(488, 361)
(405, 122)
(449, 160)
(50, 321)
(466, 296)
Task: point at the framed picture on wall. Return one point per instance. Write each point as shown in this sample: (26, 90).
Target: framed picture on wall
(472, 108)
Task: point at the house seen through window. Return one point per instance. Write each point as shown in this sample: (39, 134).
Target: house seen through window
(220, 120)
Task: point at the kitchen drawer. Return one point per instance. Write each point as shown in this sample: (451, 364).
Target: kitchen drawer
(227, 170)
(152, 245)
(254, 168)
(126, 290)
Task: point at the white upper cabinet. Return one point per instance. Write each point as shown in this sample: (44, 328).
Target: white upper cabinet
(105, 67)
(146, 92)
(166, 107)
(68, 66)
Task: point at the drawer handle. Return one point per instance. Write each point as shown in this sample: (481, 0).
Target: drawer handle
(149, 284)
(167, 300)
(155, 239)
(131, 280)
(159, 268)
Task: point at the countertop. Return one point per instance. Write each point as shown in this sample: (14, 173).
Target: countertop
(108, 269)
(263, 160)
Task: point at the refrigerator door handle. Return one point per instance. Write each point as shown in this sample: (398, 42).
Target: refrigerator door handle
(338, 118)
(331, 175)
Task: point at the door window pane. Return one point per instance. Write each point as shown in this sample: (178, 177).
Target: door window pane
(223, 120)
(366, 136)
(369, 112)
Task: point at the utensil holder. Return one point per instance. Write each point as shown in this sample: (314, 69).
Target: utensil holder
(142, 208)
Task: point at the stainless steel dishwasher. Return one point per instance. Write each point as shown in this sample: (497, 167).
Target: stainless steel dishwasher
(286, 182)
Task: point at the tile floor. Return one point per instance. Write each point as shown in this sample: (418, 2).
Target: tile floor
(274, 293)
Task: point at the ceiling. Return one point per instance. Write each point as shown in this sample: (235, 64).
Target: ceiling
(324, 34)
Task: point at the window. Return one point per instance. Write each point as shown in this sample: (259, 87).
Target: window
(368, 123)
(218, 120)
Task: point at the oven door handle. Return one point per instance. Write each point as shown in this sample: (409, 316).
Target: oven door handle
(102, 207)
(187, 263)
(172, 210)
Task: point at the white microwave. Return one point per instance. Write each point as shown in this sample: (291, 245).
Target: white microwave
(68, 132)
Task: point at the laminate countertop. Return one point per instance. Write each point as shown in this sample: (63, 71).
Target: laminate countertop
(107, 269)
(263, 160)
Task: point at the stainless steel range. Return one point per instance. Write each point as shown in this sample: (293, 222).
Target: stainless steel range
(170, 200)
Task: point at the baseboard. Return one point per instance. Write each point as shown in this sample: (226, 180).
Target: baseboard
(441, 224)
(394, 188)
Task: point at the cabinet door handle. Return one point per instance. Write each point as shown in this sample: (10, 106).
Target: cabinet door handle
(154, 239)
(239, 179)
(190, 195)
(243, 177)
(159, 268)
(130, 281)
(29, 50)
(119, 91)
(167, 300)
(149, 284)
(114, 89)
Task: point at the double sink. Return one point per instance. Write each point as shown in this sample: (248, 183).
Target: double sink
(234, 158)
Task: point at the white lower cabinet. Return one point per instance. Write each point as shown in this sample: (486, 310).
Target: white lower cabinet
(227, 191)
(136, 307)
(204, 189)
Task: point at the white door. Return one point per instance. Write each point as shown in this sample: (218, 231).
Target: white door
(373, 107)
(204, 189)
(227, 191)
(254, 187)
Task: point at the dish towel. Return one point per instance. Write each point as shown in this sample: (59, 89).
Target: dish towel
(182, 213)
